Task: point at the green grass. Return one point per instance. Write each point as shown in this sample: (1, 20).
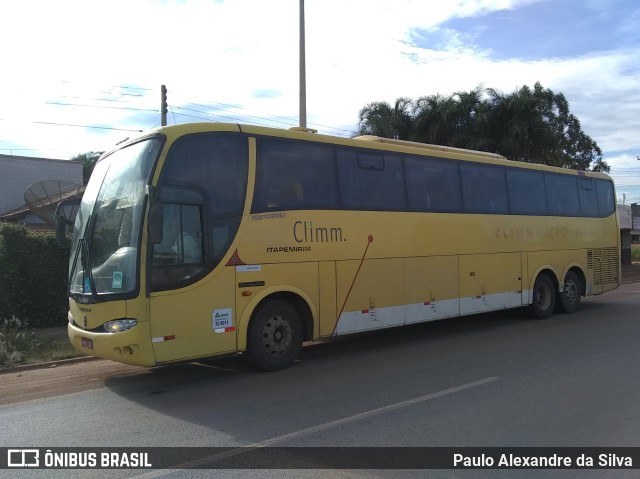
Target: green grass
(635, 252)
(20, 345)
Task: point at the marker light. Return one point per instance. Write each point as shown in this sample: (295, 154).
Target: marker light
(119, 325)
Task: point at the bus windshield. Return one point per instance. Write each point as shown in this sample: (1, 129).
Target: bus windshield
(107, 231)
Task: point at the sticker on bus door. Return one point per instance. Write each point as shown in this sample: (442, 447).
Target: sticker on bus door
(222, 320)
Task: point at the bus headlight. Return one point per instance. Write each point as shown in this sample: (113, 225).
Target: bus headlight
(119, 325)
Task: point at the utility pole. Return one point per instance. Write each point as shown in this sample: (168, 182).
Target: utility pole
(303, 74)
(163, 105)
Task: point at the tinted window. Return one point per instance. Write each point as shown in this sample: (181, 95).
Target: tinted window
(484, 189)
(179, 256)
(588, 197)
(203, 183)
(216, 164)
(433, 185)
(370, 180)
(526, 192)
(294, 175)
(562, 194)
(606, 200)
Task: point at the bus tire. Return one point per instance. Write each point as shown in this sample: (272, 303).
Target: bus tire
(570, 296)
(275, 335)
(544, 298)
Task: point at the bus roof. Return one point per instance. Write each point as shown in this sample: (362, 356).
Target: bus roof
(310, 134)
(427, 146)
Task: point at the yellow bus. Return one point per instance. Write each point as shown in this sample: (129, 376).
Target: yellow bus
(205, 239)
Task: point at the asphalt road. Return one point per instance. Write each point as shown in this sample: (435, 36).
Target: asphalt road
(486, 380)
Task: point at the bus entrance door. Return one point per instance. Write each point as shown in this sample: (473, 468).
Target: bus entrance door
(195, 321)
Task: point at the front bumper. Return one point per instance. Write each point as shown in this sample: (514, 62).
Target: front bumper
(130, 347)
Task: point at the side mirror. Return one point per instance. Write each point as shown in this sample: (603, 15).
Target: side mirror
(155, 223)
(66, 212)
(61, 230)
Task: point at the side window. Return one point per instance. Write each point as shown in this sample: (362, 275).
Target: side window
(203, 184)
(432, 184)
(294, 175)
(216, 164)
(588, 197)
(484, 189)
(562, 194)
(526, 192)
(606, 200)
(179, 256)
(370, 180)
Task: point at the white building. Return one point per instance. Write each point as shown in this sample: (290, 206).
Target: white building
(17, 173)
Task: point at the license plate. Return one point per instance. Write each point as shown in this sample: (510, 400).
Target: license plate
(87, 343)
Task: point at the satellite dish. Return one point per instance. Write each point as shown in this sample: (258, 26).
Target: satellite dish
(43, 199)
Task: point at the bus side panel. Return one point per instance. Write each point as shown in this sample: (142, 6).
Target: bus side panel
(431, 288)
(526, 298)
(490, 282)
(375, 297)
(328, 301)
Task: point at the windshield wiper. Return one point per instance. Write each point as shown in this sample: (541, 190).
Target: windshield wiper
(83, 249)
(74, 263)
(88, 271)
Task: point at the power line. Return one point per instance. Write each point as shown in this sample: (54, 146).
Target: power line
(235, 120)
(229, 117)
(78, 126)
(97, 106)
(290, 120)
(85, 126)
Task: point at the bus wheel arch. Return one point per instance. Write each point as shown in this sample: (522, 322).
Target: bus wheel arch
(544, 295)
(574, 288)
(278, 325)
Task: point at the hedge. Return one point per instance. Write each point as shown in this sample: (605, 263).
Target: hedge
(33, 277)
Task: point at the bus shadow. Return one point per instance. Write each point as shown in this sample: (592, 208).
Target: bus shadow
(347, 375)
(341, 348)
(222, 394)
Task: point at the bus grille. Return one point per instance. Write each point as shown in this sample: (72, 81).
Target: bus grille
(605, 263)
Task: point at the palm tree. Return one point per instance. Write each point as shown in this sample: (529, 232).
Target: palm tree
(382, 119)
(469, 112)
(530, 125)
(435, 119)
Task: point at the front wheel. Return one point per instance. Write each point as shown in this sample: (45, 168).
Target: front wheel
(544, 298)
(570, 296)
(275, 335)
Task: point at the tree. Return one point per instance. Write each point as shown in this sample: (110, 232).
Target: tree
(88, 161)
(530, 125)
(382, 119)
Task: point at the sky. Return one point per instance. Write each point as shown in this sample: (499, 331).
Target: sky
(82, 75)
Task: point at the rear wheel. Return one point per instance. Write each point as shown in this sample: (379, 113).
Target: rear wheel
(275, 335)
(571, 295)
(544, 298)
